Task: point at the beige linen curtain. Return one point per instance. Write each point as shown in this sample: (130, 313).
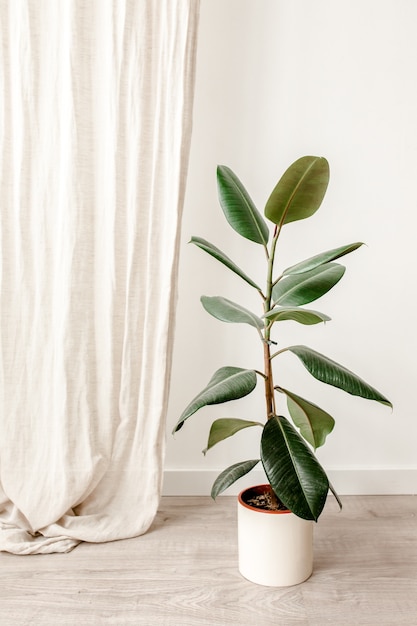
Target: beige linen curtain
(95, 123)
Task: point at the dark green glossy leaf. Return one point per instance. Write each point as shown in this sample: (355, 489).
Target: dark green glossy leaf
(304, 288)
(230, 475)
(332, 373)
(238, 207)
(228, 311)
(226, 427)
(293, 471)
(227, 383)
(302, 316)
(223, 258)
(322, 258)
(299, 192)
(314, 423)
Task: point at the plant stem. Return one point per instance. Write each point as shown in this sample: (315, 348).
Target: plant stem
(277, 352)
(269, 381)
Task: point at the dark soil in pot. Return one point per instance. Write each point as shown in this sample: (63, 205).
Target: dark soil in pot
(262, 497)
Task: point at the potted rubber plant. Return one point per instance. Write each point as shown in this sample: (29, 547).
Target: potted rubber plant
(298, 485)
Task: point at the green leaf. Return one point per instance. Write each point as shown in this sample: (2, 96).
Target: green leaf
(293, 471)
(223, 258)
(307, 287)
(299, 192)
(228, 311)
(227, 383)
(332, 373)
(322, 258)
(226, 427)
(314, 423)
(303, 316)
(231, 475)
(238, 207)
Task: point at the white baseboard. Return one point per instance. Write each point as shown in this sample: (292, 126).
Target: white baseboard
(374, 481)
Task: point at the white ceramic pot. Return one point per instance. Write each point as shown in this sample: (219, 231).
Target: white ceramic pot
(275, 547)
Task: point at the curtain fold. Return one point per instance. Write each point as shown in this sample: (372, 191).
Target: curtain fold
(95, 126)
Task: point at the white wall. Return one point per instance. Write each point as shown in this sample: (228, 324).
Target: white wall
(277, 80)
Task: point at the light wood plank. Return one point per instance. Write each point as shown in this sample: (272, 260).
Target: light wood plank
(183, 572)
(366, 564)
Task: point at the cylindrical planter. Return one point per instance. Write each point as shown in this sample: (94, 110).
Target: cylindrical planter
(275, 547)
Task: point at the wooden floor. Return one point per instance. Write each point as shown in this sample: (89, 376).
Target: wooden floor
(183, 572)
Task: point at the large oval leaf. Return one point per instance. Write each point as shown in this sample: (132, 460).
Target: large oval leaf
(238, 207)
(307, 287)
(226, 427)
(228, 311)
(230, 475)
(332, 373)
(227, 383)
(322, 258)
(302, 316)
(314, 423)
(299, 192)
(223, 258)
(293, 471)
